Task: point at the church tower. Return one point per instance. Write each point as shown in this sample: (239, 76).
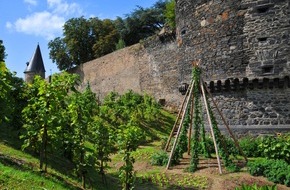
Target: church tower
(35, 66)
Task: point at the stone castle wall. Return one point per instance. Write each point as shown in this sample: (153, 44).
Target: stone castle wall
(244, 51)
(234, 39)
(145, 68)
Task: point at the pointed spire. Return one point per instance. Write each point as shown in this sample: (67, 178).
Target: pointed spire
(35, 65)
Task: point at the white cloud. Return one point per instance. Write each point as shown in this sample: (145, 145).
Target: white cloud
(31, 2)
(9, 25)
(42, 24)
(62, 7)
(47, 23)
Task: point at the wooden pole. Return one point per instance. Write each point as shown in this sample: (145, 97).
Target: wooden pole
(226, 124)
(211, 128)
(180, 126)
(190, 126)
(176, 121)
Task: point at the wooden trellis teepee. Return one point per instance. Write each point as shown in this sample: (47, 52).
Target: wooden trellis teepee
(189, 109)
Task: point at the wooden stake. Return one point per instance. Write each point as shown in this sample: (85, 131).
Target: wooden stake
(176, 121)
(226, 124)
(180, 126)
(211, 128)
(190, 126)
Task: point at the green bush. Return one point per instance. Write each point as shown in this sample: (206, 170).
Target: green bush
(209, 145)
(257, 167)
(255, 187)
(277, 171)
(249, 145)
(231, 147)
(276, 147)
(159, 159)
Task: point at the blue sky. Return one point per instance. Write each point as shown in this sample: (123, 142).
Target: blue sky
(25, 23)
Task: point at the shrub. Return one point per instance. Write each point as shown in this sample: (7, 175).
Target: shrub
(277, 147)
(159, 158)
(257, 168)
(249, 145)
(277, 171)
(255, 187)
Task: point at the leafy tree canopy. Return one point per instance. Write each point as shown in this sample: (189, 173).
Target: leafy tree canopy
(141, 23)
(83, 40)
(86, 39)
(11, 96)
(2, 51)
(170, 14)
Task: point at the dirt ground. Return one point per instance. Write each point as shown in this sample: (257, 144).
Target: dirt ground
(209, 168)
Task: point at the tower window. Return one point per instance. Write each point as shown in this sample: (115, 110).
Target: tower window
(263, 9)
(267, 69)
(263, 39)
(183, 32)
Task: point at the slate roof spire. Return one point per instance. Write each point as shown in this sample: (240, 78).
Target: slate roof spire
(35, 66)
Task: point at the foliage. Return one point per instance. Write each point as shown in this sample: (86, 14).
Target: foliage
(5, 92)
(222, 145)
(170, 14)
(2, 51)
(80, 111)
(127, 114)
(197, 122)
(162, 180)
(249, 145)
(11, 97)
(128, 139)
(45, 113)
(225, 146)
(276, 147)
(84, 40)
(120, 109)
(255, 187)
(181, 146)
(159, 158)
(101, 136)
(141, 23)
(277, 171)
(121, 44)
(199, 141)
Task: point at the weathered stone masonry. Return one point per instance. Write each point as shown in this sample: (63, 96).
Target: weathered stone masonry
(244, 50)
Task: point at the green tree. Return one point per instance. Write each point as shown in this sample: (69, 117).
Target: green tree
(170, 14)
(121, 44)
(84, 40)
(141, 23)
(12, 98)
(59, 54)
(108, 37)
(5, 92)
(2, 51)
